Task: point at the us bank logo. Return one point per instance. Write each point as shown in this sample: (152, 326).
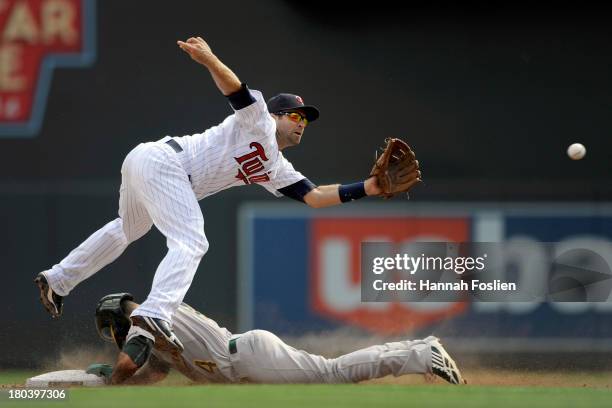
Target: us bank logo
(37, 36)
(335, 277)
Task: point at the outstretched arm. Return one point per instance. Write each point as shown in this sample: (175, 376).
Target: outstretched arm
(153, 371)
(127, 372)
(227, 82)
(329, 195)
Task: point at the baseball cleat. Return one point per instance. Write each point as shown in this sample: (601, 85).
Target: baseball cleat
(53, 302)
(444, 366)
(160, 329)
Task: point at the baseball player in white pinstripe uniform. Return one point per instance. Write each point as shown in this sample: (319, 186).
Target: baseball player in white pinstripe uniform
(162, 182)
(213, 354)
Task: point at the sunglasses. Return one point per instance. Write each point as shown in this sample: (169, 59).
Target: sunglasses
(294, 117)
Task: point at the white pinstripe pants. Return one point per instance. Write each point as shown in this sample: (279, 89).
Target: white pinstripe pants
(155, 189)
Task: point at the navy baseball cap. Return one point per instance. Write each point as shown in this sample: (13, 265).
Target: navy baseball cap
(287, 102)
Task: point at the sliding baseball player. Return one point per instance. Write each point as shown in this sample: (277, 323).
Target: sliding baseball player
(213, 354)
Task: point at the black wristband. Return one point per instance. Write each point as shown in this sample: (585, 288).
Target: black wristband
(350, 192)
(298, 190)
(241, 98)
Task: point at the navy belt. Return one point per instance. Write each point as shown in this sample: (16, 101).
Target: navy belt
(174, 144)
(232, 346)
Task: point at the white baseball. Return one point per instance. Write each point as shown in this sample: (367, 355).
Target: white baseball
(576, 151)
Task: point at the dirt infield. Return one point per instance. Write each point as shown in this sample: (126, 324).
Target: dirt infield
(515, 378)
(480, 377)
(76, 359)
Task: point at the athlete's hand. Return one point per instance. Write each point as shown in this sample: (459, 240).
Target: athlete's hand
(371, 186)
(101, 370)
(198, 50)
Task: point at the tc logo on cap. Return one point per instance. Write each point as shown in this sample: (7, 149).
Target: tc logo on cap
(285, 102)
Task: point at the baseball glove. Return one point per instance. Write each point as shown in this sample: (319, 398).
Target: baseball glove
(396, 169)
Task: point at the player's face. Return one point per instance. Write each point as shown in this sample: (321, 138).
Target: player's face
(290, 127)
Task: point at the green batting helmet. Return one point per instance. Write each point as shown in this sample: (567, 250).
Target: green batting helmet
(112, 320)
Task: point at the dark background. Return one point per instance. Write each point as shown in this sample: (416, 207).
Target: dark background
(488, 96)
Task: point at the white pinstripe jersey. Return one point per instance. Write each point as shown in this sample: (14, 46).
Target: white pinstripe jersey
(239, 151)
(206, 354)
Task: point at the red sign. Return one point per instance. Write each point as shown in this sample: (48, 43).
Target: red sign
(335, 270)
(36, 35)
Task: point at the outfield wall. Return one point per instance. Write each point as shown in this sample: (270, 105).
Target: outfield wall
(299, 272)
